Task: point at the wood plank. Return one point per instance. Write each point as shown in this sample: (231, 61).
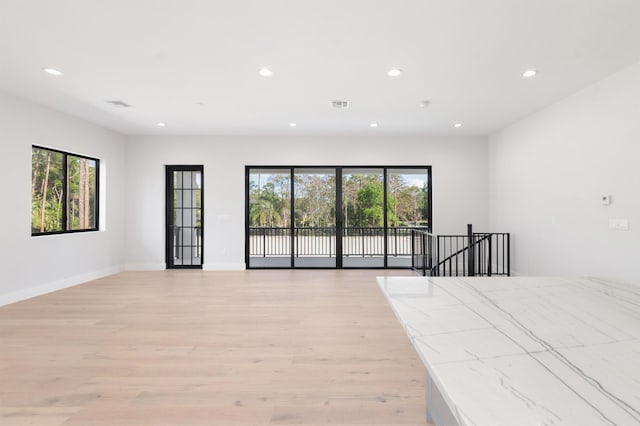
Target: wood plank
(192, 347)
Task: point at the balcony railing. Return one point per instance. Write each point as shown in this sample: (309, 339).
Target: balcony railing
(269, 242)
(321, 241)
(315, 242)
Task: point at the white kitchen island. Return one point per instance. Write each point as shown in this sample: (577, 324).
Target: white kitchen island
(524, 351)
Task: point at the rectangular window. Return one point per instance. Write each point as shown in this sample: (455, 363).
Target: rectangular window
(64, 192)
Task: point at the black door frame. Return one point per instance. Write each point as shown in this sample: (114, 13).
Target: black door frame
(169, 170)
(338, 204)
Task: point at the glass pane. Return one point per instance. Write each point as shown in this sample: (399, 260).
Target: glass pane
(81, 193)
(269, 217)
(198, 196)
(363, 218)
(408, 195)
(47, 179)
(315, 217)
(187, 218)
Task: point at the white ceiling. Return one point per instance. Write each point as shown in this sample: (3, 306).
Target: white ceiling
(194, 63)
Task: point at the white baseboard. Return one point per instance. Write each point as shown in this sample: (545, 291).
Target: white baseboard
(223, 267)
(145, 267)
(205, 267)
(39, 290)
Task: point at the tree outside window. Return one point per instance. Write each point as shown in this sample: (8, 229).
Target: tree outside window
(64, 192)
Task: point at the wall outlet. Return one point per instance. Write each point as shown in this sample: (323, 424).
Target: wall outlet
(619, 224)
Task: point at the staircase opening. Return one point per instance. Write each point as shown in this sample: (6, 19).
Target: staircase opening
(474, 254)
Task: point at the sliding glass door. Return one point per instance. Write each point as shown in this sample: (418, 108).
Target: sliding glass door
(269, 217)
(363, 218)
(314, 208)
(334, 217)
(409, 207)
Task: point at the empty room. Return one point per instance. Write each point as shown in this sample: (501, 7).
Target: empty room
(278, 212)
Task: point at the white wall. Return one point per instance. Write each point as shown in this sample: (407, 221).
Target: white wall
(34, 265)
(548, 172)
(546, 175)
(459, 183)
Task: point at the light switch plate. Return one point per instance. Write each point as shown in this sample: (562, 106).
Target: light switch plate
(605, 200)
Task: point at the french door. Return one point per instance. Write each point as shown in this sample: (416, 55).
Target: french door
(184, 217)
(334, 216)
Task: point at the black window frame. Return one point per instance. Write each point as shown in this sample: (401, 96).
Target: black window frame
(169, 207)
(65, 164)
(339, 173)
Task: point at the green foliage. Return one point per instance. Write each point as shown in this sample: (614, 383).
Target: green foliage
(411, 202)
(81, 181)
(52, 217)
(48, 193)
(370, 200)
(46, 190)
(363, 198)
(314, 202)
(269, 203)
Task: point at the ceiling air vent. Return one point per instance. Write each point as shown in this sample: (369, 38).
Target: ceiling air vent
(340, 104)
(119, 104)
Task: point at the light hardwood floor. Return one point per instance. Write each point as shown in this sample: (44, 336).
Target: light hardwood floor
(210, 348)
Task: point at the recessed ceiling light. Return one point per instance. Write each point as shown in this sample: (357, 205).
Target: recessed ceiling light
(52, 71)
(373, 125)
(457, 125)
(292, 124)
(529, 73)
(161, 124)
(394, 72)
(424, 104)
(265, 72)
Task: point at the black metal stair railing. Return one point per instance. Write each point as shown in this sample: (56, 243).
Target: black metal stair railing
(422, 255)
(474, 254)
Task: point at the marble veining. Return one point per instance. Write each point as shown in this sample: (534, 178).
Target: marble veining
(525, 350)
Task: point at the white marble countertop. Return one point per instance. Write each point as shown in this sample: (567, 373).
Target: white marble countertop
(526, 351)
